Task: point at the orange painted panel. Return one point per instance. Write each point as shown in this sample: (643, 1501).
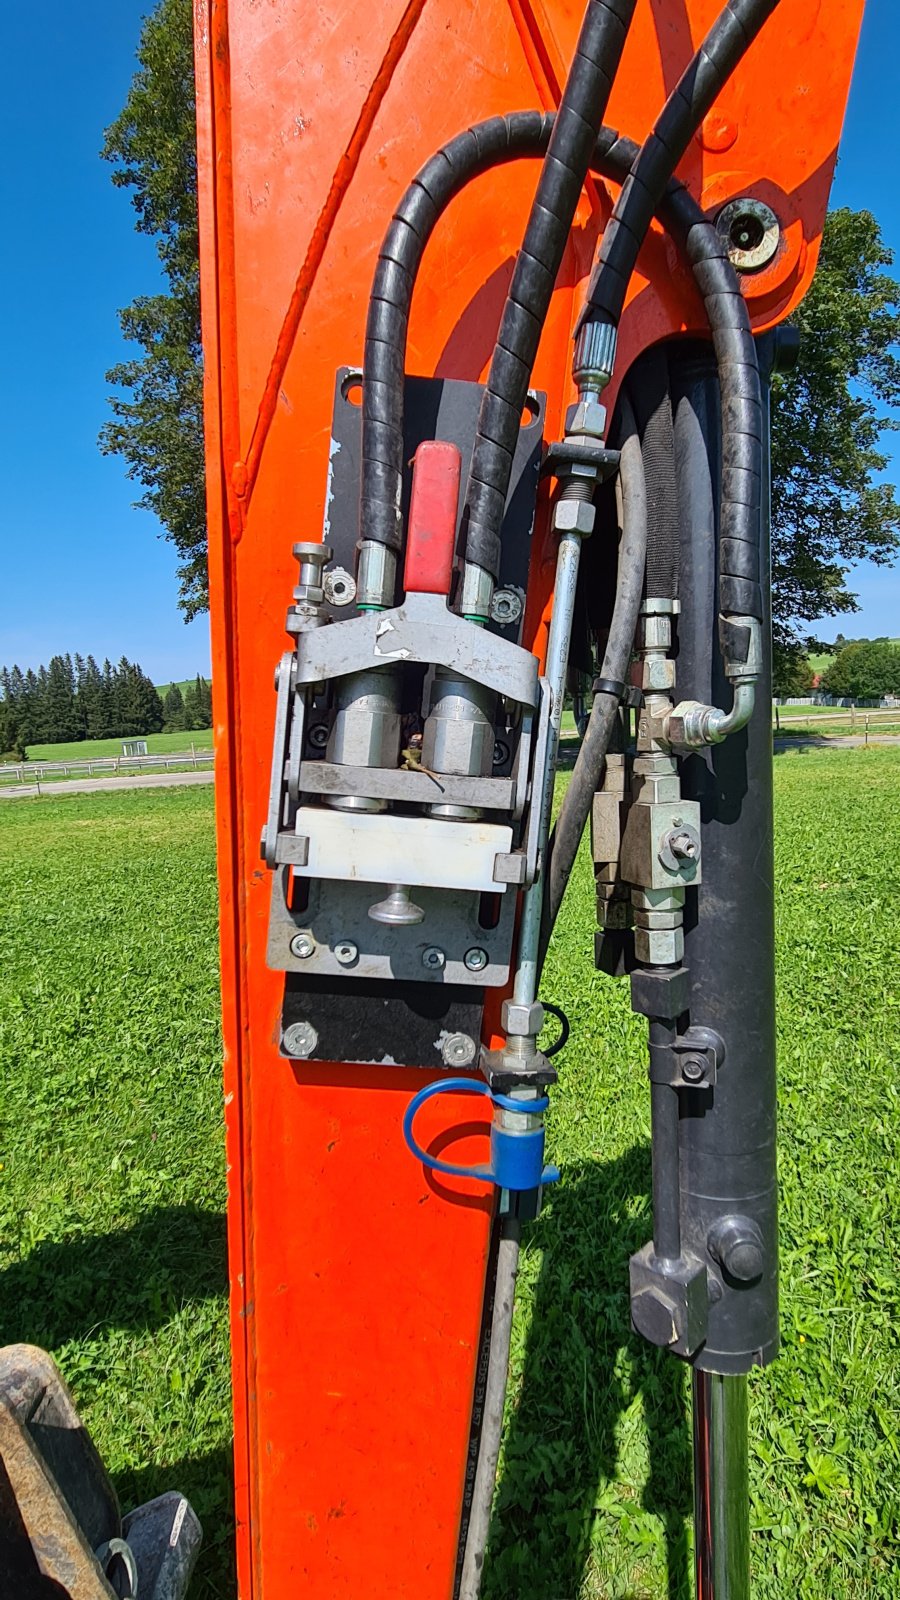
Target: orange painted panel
(357, 1283)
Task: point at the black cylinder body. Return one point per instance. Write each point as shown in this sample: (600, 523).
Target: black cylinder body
(727, 1134)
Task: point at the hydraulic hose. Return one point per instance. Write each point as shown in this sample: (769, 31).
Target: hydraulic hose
(494, 1400)
(575, 129)
(576, 804)
(721, 51)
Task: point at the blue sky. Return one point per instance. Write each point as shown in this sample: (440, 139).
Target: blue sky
(81, 569)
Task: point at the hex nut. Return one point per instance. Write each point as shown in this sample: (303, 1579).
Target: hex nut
(303, 945)
(458, 1050)
(574, 516)
(299, 1040)
(658, 674)
(659, 947)
(587, 418)
(524, 1021)
(656, 1315)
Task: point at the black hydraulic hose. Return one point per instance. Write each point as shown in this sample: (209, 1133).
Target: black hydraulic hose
(721, 51)
(575, 129)
(486, 145)
(563, 845)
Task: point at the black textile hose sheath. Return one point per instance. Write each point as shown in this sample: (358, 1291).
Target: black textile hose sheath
(720, 53)
(575, 128)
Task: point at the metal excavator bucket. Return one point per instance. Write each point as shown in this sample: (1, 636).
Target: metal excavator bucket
(62, 1534)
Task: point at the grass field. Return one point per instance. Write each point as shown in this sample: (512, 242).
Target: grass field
(96, 749)
(112, 1189)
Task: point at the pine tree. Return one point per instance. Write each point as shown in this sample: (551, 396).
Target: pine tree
(59, 713)
(173, 710)
(206, 708)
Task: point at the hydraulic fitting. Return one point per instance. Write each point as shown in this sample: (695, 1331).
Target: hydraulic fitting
(308, 610)
(525, 1021)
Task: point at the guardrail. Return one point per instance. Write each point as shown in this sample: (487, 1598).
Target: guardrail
(98, 766)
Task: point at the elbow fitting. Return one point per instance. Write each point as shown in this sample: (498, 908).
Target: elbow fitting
(691, 725)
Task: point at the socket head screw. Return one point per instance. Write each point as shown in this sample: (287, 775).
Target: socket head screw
(299, 1040)
(346, 952)
(458, 1050)
(318, 736)
(433, 959)
(475, 959)
(303, 945)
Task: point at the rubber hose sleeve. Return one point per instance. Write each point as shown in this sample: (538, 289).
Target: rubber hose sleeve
(575, 129)
(526, 134)
(724, 47)
(576, 805)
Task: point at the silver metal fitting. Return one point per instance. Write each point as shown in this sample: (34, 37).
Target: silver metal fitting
(658, 899)
(309, 595)
(299, 1040)
(397, 910)
(303, 945)
(346, 953)
(339, 586)
(586, 418)
(751, 233)
(506, 606)
(458, 1050)
(475, 592)
(659, 947)
(750, 670)
(433, 958)
(523, 1020)
(657, 674)
(595, 355)
(376, 575)
(573, 516)
(476, 959)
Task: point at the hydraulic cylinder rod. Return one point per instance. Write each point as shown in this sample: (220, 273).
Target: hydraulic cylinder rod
(721, 1488)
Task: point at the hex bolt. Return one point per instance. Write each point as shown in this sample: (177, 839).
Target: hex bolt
(693, 1068)
(475, 959)
(303, 945)
(656, 1315)
(346, 952)
(299, 1040)
(458, 1050)
(433, 958)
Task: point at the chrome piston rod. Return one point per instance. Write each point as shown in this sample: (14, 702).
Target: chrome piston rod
(721, 1487)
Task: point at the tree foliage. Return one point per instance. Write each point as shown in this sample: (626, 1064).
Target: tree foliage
(830, 510)
(157, 424)
(75, 699)
(865, 670)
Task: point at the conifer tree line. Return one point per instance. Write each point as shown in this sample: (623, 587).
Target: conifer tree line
(73, 698)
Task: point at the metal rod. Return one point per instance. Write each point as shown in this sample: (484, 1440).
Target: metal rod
(721, 1487)
(665, 1167)
(567, 559)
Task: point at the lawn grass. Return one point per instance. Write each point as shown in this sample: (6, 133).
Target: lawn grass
(97, 749)
(112, 1188)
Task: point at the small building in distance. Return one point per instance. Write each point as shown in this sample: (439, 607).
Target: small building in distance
(134, 747)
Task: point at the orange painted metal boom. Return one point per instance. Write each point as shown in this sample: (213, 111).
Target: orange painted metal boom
(357, 1282)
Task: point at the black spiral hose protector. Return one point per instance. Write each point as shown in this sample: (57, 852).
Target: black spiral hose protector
(721, 51)
(575, 129)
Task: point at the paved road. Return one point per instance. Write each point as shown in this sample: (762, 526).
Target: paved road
(136, 780)
(849, 741)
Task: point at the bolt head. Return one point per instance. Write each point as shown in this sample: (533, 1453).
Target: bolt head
(346, 952)
(523, 1021)
(656, 1316)
(693, 1069)
(318, 736)
(458, 1050)
(339, 587)
(303, 945)
(433, 958)
(506, 606)
(476, 959)
(574, 516)
(299, 1040)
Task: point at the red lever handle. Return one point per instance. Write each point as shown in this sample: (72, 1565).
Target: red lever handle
(431, 535)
